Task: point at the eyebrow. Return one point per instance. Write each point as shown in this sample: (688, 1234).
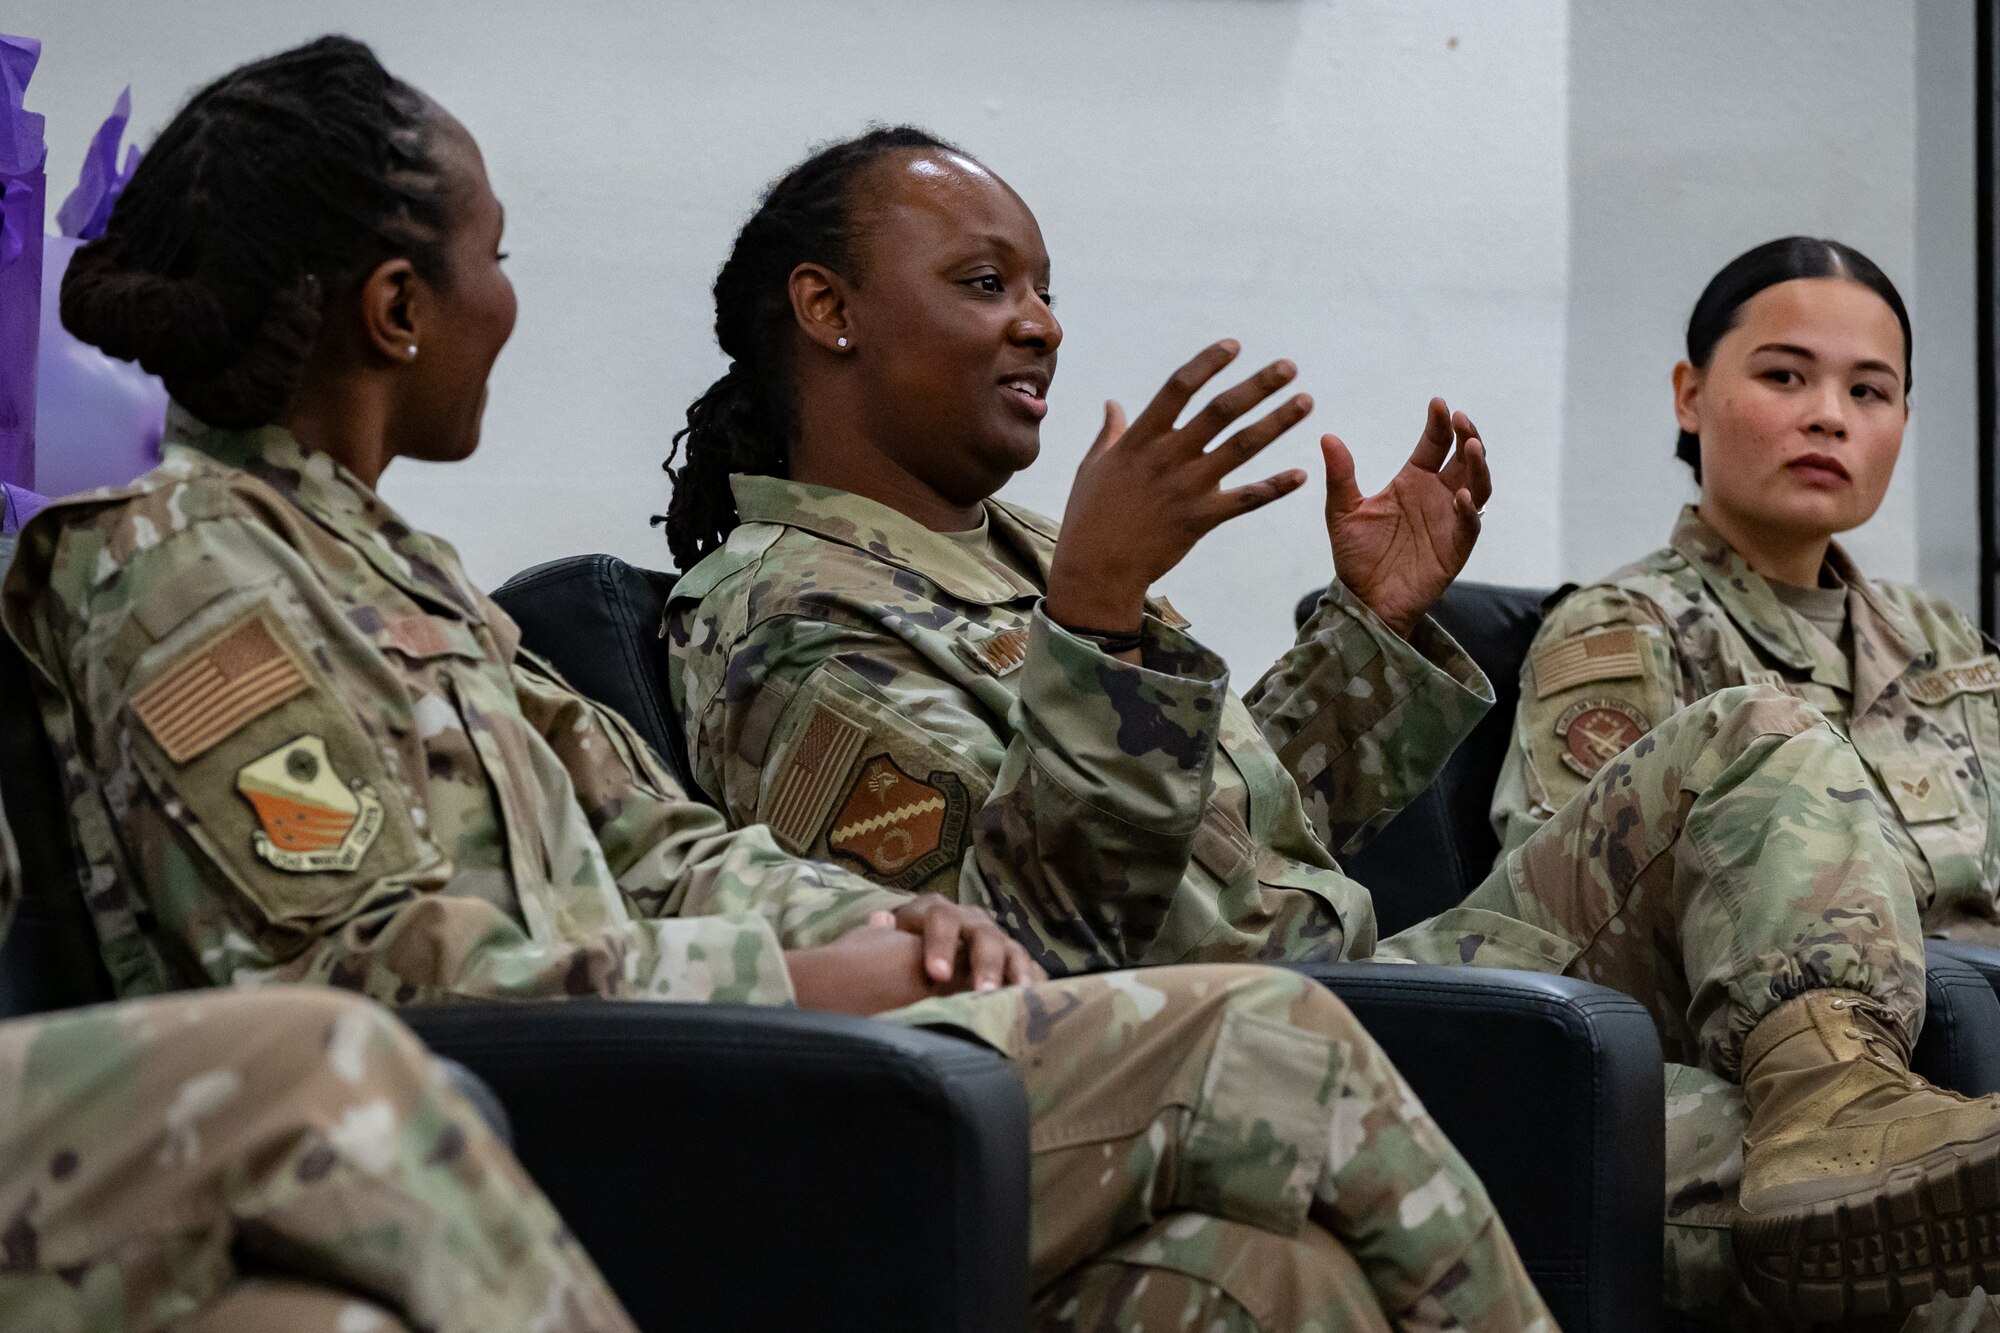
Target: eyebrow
(1807, 353)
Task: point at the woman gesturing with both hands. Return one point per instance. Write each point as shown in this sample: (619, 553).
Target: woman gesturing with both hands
(899, 673)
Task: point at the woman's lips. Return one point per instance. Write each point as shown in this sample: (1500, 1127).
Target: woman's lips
(1028, 396)
(1820, 468)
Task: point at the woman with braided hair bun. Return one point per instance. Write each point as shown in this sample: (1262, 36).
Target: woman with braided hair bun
(299, 745)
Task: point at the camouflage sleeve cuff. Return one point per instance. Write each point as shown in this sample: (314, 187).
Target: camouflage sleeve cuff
(1362, 719)
(734, 959)
(1133, 742)
(1430, 656)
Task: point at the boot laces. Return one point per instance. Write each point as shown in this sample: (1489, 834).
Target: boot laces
(1881, 1050)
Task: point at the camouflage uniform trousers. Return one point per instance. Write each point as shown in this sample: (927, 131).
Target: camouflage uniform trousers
(1729, 860)
(1224, 1147)
(264, 1158)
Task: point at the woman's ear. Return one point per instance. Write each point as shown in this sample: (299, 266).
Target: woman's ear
(391, 300)
(1687, 390)
(819, 305)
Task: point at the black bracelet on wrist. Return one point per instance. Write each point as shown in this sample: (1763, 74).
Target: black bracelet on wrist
(1109, 641)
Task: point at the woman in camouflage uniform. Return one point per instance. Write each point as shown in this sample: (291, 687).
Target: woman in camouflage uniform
(299, 745)
(1792, 402)
(898, 673)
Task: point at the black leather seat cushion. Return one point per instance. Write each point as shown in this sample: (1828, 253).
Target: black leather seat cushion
(49, 958)
(598, 620)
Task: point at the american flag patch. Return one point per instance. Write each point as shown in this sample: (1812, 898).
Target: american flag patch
(1608, 654)
(239, 675)
(809, 777)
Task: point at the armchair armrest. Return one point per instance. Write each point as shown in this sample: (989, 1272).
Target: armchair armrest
(1555, 1092)
(734, 1167)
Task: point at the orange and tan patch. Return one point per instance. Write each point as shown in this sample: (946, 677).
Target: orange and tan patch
(902, 828)
(308, 820)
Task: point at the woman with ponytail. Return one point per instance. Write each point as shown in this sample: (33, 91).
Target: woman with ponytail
(299, 745)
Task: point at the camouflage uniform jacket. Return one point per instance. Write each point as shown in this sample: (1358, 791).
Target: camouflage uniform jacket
(883, 696)
(1918, 694)
(298, 745)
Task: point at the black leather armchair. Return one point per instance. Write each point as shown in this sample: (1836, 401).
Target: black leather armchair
(1551, 1087)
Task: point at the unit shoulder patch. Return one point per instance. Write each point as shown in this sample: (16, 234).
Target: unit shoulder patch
(1593, 731)
(309, 821)
(213, 690)
(901, 828)
(1604, 654)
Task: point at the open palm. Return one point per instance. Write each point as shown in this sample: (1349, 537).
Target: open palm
(1399, 549)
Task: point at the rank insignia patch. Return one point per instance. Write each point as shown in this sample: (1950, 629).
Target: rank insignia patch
(203, 698)
(1001, 652)
(308, 820)
(1923, 792)
(1593, 731)
(904, 830)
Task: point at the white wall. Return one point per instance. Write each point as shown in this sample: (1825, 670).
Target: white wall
(1371, 188)
(1945, 312)
(1699, 128)
(1510, 202)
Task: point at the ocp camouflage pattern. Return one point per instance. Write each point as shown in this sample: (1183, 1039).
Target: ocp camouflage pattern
(1116, 814)
(531, 846)
(156, 1153)
(1917, 691)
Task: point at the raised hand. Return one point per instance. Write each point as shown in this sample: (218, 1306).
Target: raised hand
(1398, 550)
(1145, 494)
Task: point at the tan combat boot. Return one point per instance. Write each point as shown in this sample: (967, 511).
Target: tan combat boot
(1865, 1189)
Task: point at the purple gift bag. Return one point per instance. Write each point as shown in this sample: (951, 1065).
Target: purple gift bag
(98, 419)
(23, 203)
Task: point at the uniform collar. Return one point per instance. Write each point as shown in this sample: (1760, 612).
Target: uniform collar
(1884, 643)
(339, 501)
(896, 539)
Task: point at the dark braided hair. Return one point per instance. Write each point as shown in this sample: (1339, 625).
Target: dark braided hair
(746, 420)
(270, 191)
(1767, 265)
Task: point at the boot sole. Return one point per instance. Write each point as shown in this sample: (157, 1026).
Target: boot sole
(1931, 1229)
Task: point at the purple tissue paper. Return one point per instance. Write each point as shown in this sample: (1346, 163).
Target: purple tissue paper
(99, 184)
(17, 506)
(23, 205)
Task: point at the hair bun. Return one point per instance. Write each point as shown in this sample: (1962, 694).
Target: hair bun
(227, 371)
(171, 326)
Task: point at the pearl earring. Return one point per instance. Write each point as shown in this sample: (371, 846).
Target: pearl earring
(411, 350)
(840, 342)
